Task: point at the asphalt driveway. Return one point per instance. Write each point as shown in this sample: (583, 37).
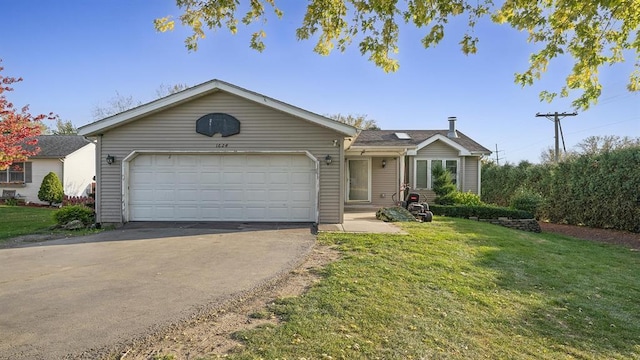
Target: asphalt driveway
(65, 297)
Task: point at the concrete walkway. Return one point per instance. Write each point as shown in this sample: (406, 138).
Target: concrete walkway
(362, 222)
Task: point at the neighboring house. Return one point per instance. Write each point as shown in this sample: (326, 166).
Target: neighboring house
(218, 152)
(381, 162)
(71, 157)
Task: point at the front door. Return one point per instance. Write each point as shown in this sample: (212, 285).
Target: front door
(358, 180)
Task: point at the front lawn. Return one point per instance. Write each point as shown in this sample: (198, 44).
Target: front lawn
(24, 220)
(459, 289)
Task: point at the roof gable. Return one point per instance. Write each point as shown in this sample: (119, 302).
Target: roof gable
(59, 146)
(462, 151)
(203, 89)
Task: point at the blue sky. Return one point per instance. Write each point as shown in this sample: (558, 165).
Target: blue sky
(75, 55)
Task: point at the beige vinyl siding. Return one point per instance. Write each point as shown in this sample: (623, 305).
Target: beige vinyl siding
(262, 129)
(471, 174)
(438, 150)
(383, 180)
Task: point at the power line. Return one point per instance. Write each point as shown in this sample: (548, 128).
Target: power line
(556, 121)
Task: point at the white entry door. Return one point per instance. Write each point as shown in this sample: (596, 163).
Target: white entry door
(256, 187)
(358, 180)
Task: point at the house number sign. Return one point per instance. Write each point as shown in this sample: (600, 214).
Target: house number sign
(215, 123)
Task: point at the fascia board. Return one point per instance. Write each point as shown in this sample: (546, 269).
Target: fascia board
(461, 149)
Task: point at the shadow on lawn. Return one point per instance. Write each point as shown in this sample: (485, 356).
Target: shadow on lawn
(580, 298)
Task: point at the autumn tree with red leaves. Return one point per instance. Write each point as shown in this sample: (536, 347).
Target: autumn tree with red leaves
(18, 129)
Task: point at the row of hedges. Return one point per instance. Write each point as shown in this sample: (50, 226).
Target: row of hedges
(479, 211)
(601, 190)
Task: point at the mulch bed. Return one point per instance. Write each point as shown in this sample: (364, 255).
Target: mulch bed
(629, 239)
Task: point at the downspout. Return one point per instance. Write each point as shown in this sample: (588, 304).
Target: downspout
(480, 176)
(98, 179)
(62, 175)
(463, 173)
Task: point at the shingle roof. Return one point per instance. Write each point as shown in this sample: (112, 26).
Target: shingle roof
(58, 146)
(388, 138)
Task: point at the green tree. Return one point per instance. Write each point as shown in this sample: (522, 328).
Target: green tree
(592, 33)
(443, 185)
(51, 189)
(64, 128)
(357, 121)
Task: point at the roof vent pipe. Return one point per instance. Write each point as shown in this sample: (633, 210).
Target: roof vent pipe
(452, 127)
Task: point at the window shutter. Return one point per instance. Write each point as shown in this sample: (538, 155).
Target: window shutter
(27, 172)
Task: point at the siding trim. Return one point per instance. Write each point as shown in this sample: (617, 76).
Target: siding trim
(462, 150)
(135, 153)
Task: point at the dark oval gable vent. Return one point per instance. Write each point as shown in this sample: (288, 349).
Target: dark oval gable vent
(214, 123)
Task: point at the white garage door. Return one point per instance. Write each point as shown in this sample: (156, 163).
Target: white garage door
(171, 187)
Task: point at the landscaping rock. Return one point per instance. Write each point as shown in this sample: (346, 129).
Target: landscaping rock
(74, 225)
(394, 214)
(518, 224)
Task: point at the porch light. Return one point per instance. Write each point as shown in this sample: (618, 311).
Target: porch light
(384, 163)
(110, 159)
(328, 159)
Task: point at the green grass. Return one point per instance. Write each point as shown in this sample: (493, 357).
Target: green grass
(26, 220)
(459, 289)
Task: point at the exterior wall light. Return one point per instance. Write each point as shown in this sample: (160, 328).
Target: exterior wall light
(110, 159)
(328, 159)
(384, 163)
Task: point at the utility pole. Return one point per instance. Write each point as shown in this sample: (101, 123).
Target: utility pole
(556, 121)
(497, 155)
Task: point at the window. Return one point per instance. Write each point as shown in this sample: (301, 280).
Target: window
(19, 172)
(424, 168)
(452, 167)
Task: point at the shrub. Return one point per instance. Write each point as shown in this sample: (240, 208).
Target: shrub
(466, 198)
(442, 185)
(527, 200)
(447, 199)
(74, 212)
(79, 200)
(11, 202)
(481, 212)
(51, 189)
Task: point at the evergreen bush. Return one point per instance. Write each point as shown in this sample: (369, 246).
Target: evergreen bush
(51, 189)
(526, 199)
(443, 185)
(599, 190)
